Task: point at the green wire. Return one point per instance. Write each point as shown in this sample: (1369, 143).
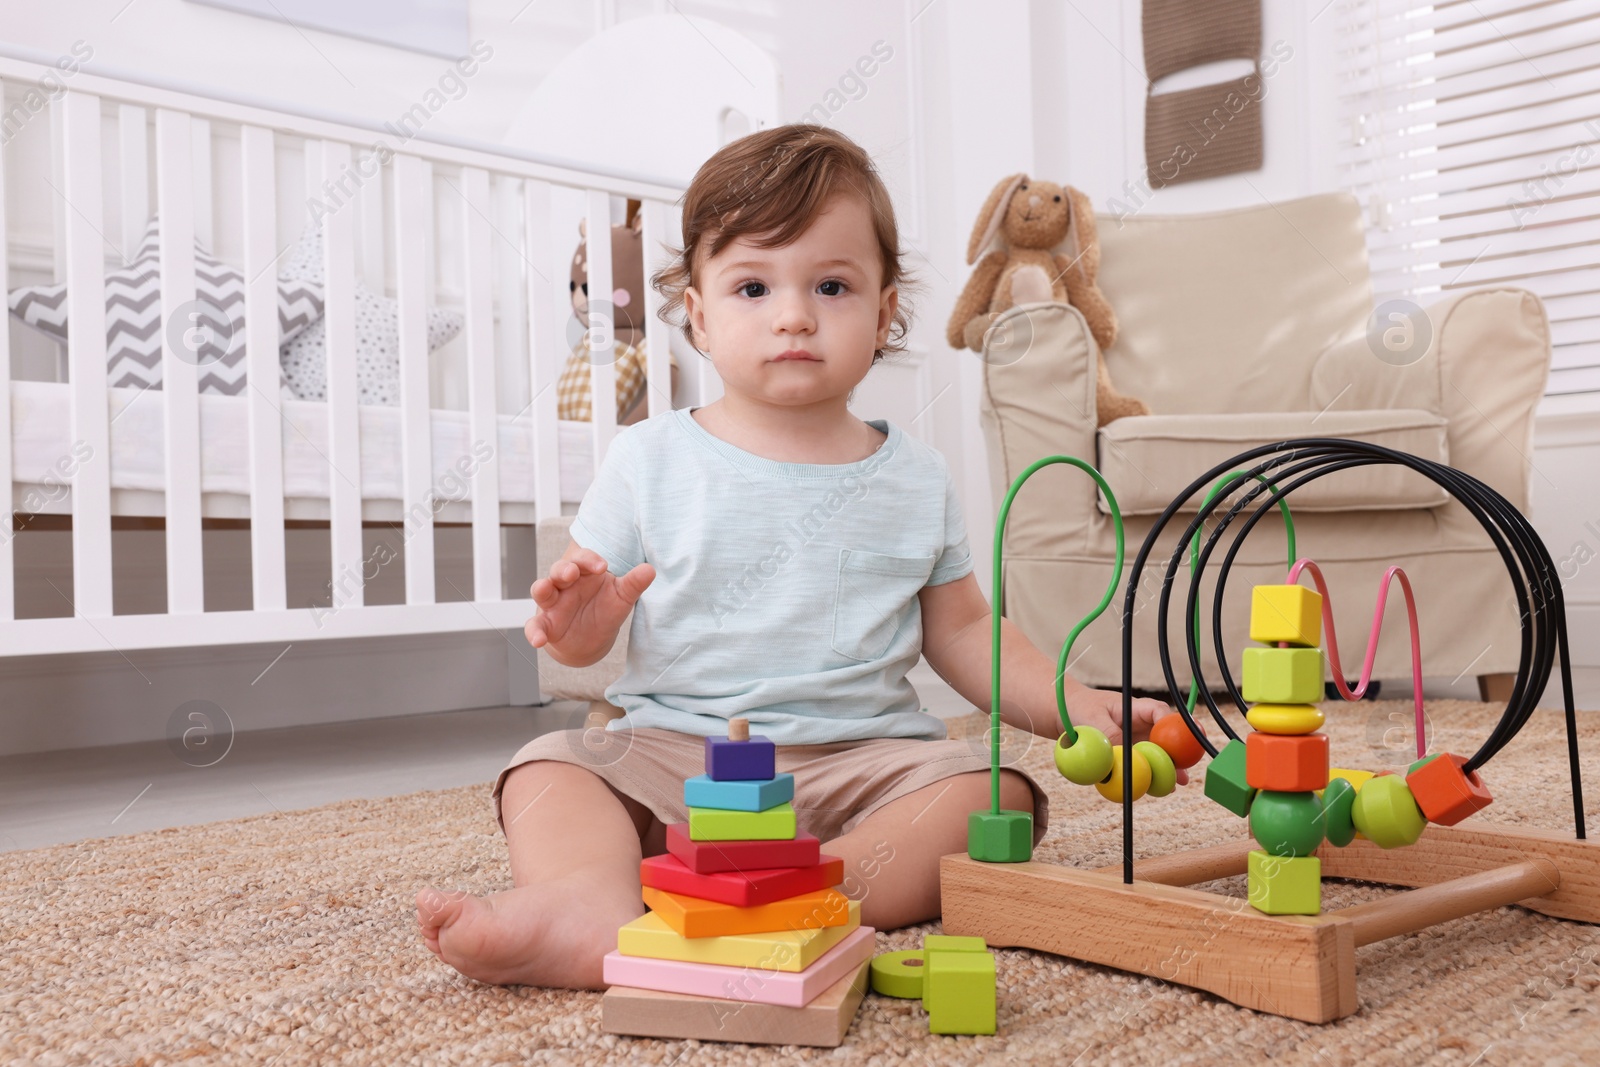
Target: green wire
(999, 604)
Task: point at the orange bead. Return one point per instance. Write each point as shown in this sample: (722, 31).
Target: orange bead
(1286, 763)
(1444, 792)
(1172, 734)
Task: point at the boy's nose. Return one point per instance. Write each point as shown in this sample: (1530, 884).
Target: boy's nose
(792, 314)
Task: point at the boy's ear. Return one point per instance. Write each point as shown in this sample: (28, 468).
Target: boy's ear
(886, 308)
(694, 311)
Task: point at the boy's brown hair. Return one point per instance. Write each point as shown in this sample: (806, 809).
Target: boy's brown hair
(770, 187)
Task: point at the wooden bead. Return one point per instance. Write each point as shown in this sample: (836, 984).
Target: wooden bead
(1286, 763)
(1163, 773)
(1286, 824)
(1444, 791)
(1111, 788)
(1338, 800)
(1174, 735)
(1387, 813)
(1282, 675)
(1285, 718)
(1290, 613)
(1225, 778)
(1006, 837)
(1356, 778)
(1086, 761)
(1284, 885)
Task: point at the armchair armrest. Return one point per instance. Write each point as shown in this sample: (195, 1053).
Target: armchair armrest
(1483, 364)
(1037, 400)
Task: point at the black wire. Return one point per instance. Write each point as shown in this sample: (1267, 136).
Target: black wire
(1541, 604)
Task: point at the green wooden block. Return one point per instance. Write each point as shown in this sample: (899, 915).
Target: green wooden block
(958, 989)
(720, 824)
(1225, 779)
(1006, 837)
(1284, 885)
(951, 943)
(1282, 675)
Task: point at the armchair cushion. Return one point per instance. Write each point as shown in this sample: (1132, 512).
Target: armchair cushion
(1149, 460)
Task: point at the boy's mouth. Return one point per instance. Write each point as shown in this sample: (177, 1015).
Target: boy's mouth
(794, 353)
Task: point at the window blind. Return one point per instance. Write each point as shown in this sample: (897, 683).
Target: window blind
(1471, 134)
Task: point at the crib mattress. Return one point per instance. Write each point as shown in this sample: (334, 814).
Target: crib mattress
(42, 449)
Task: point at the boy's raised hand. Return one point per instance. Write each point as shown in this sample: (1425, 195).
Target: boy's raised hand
(582, 605)
(1102, 709)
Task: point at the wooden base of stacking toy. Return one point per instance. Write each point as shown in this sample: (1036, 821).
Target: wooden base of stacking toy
(822, 1022)
(1299, 966)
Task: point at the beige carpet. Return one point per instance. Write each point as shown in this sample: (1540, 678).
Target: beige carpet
(289, 939)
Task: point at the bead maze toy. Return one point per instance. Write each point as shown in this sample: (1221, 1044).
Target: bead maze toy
(747, 937)
(1277, 951)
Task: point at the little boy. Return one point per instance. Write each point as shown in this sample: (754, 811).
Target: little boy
(786, 563)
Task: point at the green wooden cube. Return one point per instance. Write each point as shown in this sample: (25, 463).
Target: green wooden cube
(1004, 837)
(1225, 779)
(951, 943)
(720, 824)
(1284, 885)
(1282, 675)
(958, 989)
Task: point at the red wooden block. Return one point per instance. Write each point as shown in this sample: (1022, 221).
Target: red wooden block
(1444, 792)
(710, 857)
(1286, 763)
(742, 888)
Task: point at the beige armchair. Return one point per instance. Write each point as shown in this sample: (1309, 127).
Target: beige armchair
(1241, 328)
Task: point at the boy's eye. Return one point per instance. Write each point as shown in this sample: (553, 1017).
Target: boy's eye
(834, 281)
(744, 288)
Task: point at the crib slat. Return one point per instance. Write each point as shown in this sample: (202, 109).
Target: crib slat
(200, 135)
(344, 440)
(133, 140)
(369, 200)
(548, 307)
(602, 355)
(183, 333)
(481, 414)
(267, 580)
(511, 319)
(86, 352)
(413, 217)
(658, 334)
(8, 598)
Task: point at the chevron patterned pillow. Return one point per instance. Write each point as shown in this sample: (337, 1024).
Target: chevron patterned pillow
(305, 358)
(209, 332)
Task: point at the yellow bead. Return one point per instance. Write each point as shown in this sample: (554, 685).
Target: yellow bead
(1290, 613)
(1285, 718)
(1355, 778)
(1111, 788)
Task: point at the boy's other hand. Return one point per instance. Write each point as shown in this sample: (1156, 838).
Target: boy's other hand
(1102, 709)
(582, 605)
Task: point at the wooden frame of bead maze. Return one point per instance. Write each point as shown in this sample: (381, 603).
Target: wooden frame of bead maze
(1147, 919)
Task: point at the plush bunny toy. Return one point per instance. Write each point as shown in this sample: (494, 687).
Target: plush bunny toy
(1027, 220)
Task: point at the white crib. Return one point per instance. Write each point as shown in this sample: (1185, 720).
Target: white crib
(228, 173)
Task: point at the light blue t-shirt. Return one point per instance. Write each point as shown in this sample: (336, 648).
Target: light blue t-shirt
(785, 593)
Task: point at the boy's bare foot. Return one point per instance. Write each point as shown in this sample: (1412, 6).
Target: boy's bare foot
(552, 934)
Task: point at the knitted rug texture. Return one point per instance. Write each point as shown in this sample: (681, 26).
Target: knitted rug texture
(290, 939)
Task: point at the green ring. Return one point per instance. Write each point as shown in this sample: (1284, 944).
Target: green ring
(1163, 772)
(1338, 805)
(892, 977)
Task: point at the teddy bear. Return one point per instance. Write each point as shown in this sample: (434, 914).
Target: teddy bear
(1027, 220)
(626, 308)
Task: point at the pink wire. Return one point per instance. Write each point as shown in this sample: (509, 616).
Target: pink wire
(1306, 564)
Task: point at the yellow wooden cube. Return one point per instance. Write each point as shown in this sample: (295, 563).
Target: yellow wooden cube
(1284, 885)
(1289, 613)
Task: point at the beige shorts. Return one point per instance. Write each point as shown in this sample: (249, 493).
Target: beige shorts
(835, 785)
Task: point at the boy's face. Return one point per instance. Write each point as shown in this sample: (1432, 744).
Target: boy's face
(820, 295)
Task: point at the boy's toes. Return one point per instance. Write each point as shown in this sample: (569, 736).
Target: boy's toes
(436, 910)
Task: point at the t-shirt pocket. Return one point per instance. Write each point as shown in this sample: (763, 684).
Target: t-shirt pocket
(871, 599)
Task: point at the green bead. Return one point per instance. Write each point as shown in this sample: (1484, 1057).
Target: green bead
(1281, 676)
(1284, 885)
(1225, 780)
(1338, 801)
(1286, 824)
(1004, 837)
(1387, 813)
(1425, 759)
(1163, 773)
(1086, 761)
